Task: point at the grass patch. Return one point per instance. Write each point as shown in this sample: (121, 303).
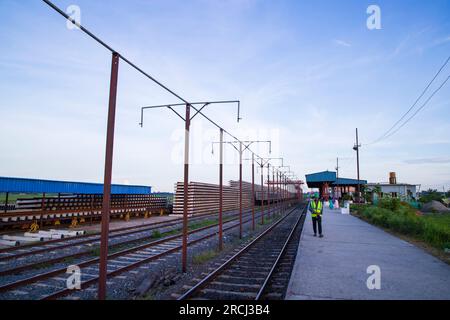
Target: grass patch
(68, 260)
(269, 220)
(434, 230)
(13, 197)
(149, 296)
(95, 251)
(156, 235)
(204, 256)
(43, 265)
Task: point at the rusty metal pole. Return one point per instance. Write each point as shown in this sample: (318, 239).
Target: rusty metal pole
(287, 193)
(273, 190)
(268, 191)
(278, 193)
(240, 190)
(253, 191)
(262, 195)
(42, 210)
(358, 192)
(186, 182)
(221, 191)
(103, 267)
(275, 181)
(281, 192)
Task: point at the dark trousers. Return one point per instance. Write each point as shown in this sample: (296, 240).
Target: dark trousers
(317, 221)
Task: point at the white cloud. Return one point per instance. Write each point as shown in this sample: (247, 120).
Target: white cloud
(342, 43)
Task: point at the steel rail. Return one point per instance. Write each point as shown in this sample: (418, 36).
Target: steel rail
(144, 227)
(95, 236)
(51, 273)
(211, 276)
(283, 250)
(133, 265)
(83, 253)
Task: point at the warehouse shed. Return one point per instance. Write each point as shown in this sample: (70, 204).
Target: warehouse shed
(25, 185)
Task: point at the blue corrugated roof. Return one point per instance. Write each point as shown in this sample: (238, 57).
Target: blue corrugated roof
(325, 176)
(315, 180)
(25, 185)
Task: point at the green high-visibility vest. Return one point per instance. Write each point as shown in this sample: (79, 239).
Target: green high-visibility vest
(316, 209)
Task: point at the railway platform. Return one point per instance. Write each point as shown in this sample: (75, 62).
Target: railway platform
(336, 266)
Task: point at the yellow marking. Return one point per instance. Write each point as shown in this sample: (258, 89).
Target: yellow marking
(34, 227)
(74, 222)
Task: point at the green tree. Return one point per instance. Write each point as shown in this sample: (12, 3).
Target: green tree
(430, 195)
(377, 190)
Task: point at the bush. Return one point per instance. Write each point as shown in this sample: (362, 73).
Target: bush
(402, 218)
(430, 195)
(347, 197)
(392, 204)
(358, 207)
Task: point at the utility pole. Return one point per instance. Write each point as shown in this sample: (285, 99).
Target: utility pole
(103, 265)
(243, 146)
(221, 192)
(356, 148)
(268, 190)
(253, 192)
(337, 177)
(187, 119)
(240, 189)
(337, 167)
(185, 188)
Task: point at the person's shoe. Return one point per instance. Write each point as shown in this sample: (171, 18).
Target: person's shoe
(321, 236)
(315, 234)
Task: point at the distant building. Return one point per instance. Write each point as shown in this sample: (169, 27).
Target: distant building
(25, 185)
(330, 185)
(394, 189)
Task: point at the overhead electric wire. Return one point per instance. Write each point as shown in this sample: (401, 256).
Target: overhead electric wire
(418, 110)
(388, 133)
(133, 65)
(90, 34)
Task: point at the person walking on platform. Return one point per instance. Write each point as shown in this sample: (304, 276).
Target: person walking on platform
(316, 208)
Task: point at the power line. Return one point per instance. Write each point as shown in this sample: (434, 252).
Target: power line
(388, 133)
(133, 65)
(418, 110)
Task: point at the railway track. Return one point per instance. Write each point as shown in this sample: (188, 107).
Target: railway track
(59, 249)
(259, 271)
(88, 247)
(34, 248)
(51, 284)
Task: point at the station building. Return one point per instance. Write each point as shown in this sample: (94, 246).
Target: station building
(330, 185)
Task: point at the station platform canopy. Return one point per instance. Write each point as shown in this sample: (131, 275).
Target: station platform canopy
(318, 179)
(24, 185)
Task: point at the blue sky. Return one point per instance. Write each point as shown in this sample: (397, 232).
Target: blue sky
(307, 74)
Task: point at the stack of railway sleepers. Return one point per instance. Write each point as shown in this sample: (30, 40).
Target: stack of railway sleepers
(82, 205)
